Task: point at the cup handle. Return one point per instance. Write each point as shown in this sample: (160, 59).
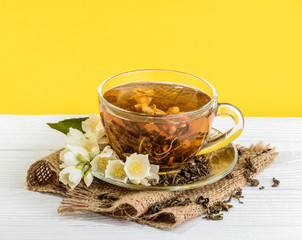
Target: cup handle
(224, 139)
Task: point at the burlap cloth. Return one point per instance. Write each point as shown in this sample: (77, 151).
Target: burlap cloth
(42, 176)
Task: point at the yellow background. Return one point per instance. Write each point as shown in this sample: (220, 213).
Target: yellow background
(54, 54)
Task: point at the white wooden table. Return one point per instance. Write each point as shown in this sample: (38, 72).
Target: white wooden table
(272, 213)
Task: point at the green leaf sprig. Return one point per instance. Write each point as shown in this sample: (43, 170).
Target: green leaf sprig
(63, 126)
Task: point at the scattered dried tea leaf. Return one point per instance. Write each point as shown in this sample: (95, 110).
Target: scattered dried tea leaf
(214, 217)
(203, 201)
(247, 174)
(254, 182)
(177, 202)
(213, 209)
(250, 168)
(108, 196)
(155, 208)
(107, 199)
(237, 195)
(187, 201)
(249, 165)
(224, 206)
(267, 150)
(174, 202)
(192, 172)
(262, 187)
(230, 176)
(276, 182)
(240, 152)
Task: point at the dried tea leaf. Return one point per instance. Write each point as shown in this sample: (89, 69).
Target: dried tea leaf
(177, 202)
(247, 174)
(214, 217)
(236, 195)
(276, 182)
(267, 150)
(107, 199)
(172, 202)
(240, 152)
(230, 176)
(249, 165)
(224, 206)
(262, 187)
(203, 201)
(214, 209)
(108, 196)
(155, 208)
(187, 201)
(254, 182)
(200, 168)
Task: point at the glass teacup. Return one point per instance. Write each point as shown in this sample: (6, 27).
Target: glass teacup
(169, 140)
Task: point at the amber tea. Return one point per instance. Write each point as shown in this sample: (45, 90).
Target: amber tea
(170, 143)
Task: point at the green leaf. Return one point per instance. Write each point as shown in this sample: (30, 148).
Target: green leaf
(63, 126)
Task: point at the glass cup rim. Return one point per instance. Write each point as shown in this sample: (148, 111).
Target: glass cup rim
(203, 108)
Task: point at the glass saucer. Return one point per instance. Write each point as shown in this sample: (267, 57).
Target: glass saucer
(222, 160)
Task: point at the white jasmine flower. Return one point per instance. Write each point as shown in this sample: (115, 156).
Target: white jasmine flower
(73, 155)
(62, 153)
(153, 176)
(154, 173)
(93, 126)
(71, 176)
(92, 146)
(100, 162)
(115, 170)
(109, 150)
(137, 167)
(88, 178)
(77, 138)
